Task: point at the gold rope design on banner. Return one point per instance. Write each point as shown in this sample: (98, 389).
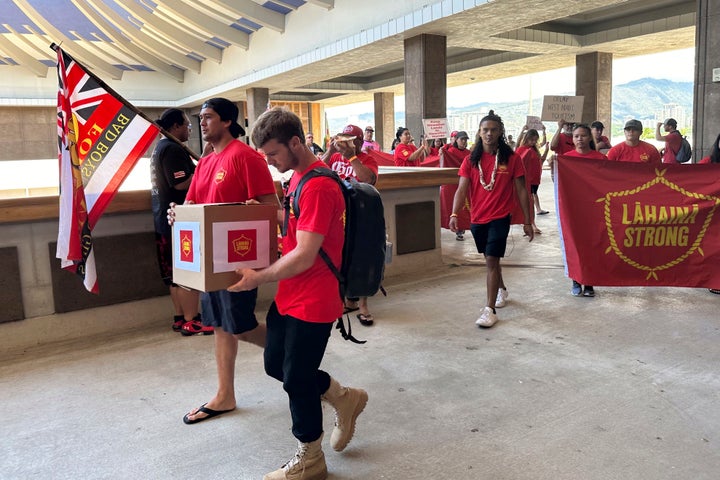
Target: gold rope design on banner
(660, 178)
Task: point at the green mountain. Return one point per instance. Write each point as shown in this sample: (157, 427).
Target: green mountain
(642, 99)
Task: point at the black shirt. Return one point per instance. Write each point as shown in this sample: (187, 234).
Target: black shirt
(170, 165)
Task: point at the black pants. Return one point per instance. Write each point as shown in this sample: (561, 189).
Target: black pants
(293, 352)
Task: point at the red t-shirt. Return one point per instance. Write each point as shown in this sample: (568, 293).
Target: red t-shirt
(592, 154)
(672, 146)
(313, 295)
(565, 144)
(532, 164)
(402, 153)
(643, 152)
(344, 169)
(236, 174)
(498, 203)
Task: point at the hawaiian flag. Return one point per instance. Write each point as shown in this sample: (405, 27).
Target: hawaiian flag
(634, 224)
(100, 138)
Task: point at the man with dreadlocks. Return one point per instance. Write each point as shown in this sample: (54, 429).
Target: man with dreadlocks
(491, 176)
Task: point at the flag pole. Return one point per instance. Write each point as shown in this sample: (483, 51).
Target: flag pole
(129, 105)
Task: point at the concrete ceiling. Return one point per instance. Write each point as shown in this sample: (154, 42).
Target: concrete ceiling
(177, 38)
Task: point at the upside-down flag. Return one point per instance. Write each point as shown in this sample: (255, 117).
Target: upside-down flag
(635, 224)
(100, 138)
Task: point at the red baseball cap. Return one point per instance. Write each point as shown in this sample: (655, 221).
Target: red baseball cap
(351, 132)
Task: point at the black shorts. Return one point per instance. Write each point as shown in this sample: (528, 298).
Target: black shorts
(491, 238)
(163, 247)
(534, 189)
(234, 312)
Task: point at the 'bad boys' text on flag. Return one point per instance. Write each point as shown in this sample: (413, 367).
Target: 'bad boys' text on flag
(100, 138)
(634, 224)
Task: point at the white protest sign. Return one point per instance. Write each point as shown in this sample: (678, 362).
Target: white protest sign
(534, 122)
(436, 128)
(562, 107)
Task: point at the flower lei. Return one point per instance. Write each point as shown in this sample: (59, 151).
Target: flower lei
(490, 186)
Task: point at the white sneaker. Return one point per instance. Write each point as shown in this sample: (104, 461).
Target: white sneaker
(501, 298)
(487, 318)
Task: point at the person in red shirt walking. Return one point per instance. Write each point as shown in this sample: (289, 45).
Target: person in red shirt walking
(633, 149)
(492, 176)
(232, 172)
(300, 319)
(346, 158)
(673, 140)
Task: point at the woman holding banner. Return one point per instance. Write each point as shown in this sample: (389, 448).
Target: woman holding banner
(406, 153)
(452, 156)
(584, 148)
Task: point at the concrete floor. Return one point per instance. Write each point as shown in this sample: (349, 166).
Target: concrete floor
(622, 386)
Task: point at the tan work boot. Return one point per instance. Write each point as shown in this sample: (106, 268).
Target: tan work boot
(348, 404)
(307, 464)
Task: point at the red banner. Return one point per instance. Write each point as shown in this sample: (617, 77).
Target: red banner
(634, 224)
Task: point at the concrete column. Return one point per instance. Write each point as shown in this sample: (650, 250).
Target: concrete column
(425, 81)
(384, 119)
(257, 102)
(706, 102)
(593, 80)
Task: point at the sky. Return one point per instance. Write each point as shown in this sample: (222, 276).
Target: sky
(553, 82)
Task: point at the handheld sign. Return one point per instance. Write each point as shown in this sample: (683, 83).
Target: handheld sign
(562, 107)
(534, 122)
(436, 128)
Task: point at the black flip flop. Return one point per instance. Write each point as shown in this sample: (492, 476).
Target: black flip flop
(366, 320)
(208, 411)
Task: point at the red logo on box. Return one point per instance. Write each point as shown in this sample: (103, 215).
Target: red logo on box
(242, 245)
(186, 245)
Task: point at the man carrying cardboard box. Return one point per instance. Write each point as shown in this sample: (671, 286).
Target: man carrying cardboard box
(232, 172)
(301, 317)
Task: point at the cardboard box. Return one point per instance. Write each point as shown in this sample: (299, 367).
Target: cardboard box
(211, 240)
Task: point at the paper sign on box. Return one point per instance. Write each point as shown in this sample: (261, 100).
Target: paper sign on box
(211, 240)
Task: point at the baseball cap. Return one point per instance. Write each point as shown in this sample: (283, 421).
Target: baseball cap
(672, 122)
(597, 124)
(633, 125)
(461, 134)
(351, 132)
(369, 129)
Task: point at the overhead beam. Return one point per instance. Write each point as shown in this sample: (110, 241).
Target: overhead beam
(57, 36)
(323, 3)
(173, 34)
(24, 59)
(143, 39)
(251, 11)
(195, 15)
(128, 47)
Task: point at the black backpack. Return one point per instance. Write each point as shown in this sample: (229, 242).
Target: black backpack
(684, 153)
(363, 258)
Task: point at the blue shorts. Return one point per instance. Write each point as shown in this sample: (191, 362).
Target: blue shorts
(234, 312)
(491, 238)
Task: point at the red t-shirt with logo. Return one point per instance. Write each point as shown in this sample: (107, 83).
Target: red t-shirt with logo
(236, 174)
(487, 206)
(344, 169)
(531, 162)
(313, 295)
(402, 153)
(565, 144)
(643, 152)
